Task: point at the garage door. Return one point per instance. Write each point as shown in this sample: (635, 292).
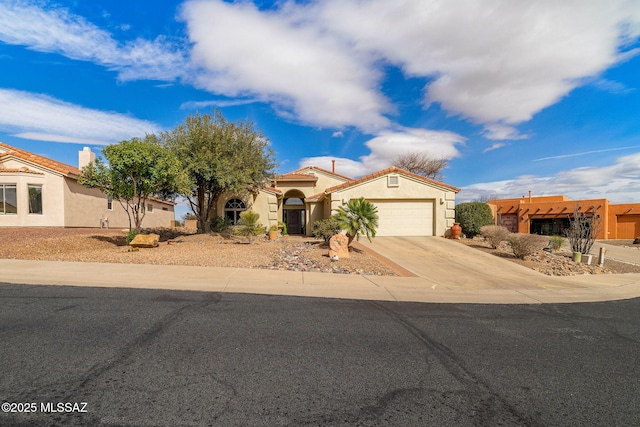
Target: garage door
(404, 217)
(628, 226)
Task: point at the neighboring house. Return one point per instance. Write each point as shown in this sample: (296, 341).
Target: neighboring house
(550, 215)
(408, 204)
(39, 192)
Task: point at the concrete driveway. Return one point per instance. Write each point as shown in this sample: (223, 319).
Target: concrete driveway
(452, 264)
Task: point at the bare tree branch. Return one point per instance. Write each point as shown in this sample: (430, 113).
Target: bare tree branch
(421, 164)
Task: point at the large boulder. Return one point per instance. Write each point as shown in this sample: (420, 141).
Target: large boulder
(145, 241)
(339, 245)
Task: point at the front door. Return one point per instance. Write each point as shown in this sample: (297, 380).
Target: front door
(294, 221)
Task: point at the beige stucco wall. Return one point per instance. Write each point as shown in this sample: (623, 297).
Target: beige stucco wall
(84, 207)
(324, 181)
(262, 203)
(408, 188)
(52, 205)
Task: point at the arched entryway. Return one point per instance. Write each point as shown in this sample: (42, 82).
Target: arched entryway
(293, 212)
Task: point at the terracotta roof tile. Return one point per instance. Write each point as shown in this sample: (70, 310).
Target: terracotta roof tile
(20, 170)
(295, 177)
(63, 168)
(314, 197)
(323, 170)
(387, 171)
(272, 189)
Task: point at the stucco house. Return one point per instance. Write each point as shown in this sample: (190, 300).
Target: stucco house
(39, 192)
(549, 215)
(408, 204)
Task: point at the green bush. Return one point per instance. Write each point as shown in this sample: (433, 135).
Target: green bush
(283, 225)
(326, 229)
(249, 225)
(524, 245)
(556, 242)
(131, 235)
(472, 216)
(494, 234)
(220, 224)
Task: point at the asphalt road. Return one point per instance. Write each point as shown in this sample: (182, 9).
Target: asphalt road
(171, 358)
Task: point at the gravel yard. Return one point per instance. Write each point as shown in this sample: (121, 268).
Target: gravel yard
(212, 250)
(556, 263)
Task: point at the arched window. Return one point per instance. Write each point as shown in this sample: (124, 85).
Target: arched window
(233, 208)
(294, 201)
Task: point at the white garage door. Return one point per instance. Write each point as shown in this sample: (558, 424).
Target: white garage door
(404, 217)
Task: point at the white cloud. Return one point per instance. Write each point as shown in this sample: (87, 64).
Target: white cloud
(337, 134)
(194, 105)
(56, 30)
(620, 183)
(41, 117)
(502, 132)
(286, 58)
(343, 166)
(493, 61)
(389, 144)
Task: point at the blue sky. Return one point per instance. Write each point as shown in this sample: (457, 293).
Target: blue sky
(517, 95)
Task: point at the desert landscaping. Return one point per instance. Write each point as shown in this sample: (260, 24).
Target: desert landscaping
(286, 253)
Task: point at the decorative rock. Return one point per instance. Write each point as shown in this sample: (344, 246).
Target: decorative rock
(145, 241)
(335, 258)
(338, 246)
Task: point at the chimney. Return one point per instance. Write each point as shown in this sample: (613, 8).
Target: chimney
(85, 157)
(529, 196)
(333, 166)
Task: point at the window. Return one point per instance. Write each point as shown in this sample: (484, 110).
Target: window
(109, 203)
(392, 181)
(294, 201)
(35, 199)
(149, 207)
(8, 199)
(233, 208)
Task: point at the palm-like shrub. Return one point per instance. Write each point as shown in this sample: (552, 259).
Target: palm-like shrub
(358, 217)
(249, 225)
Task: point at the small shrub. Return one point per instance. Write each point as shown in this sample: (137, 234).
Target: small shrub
(494, 234)
(221, 224)
(472, 216)
(283, 225)
(249, 225)
(326, 229)
(523, 245)
(556, 242)
(131, 235)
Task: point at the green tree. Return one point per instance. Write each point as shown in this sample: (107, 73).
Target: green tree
(358, 217)
(249, 225)
(137, 170)
(219, 156)
(472, 216)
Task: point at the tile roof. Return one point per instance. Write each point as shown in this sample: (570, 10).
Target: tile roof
(315, 197)
(19, 170)
(272, 189)
(62, 168)
(323, 170)
(392, 169)
(293, 176)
